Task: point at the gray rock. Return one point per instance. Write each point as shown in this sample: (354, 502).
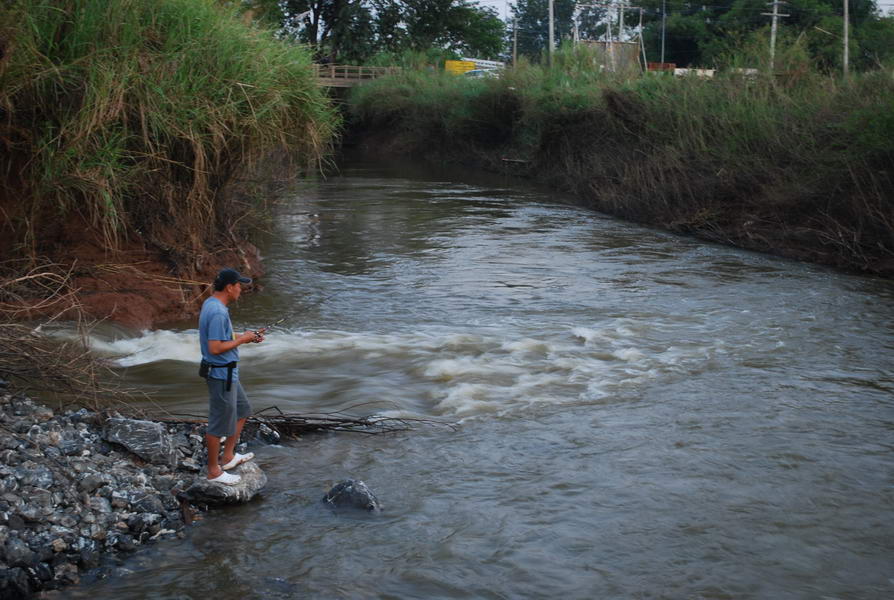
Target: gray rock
(83, 416)
(100, 505)
(16, 522)
(125, 543)
(88, 558)
(150, 441)
(352, 493)
(39, 505)
(146, 502)
(72, 444)
(8, 484)
(190, 464)
(163, 483)
(67, 573)
(13, 499)
(93, 481)
(14, 584)
(18, 554)
(143, 521)
(34, 475)
(253, 480)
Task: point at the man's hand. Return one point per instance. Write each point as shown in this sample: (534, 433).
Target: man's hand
(250, 337)
(219, 347)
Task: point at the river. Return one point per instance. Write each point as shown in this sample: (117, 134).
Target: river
(638, 415)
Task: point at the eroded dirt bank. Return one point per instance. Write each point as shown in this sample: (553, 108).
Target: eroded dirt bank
(136, 285)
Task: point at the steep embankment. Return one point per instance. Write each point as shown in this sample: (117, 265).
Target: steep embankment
(131, 132)
(801, 166)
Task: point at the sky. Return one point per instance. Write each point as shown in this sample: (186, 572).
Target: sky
(502, 6)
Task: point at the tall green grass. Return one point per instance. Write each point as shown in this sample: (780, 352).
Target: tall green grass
(137, 116)
(797, 162)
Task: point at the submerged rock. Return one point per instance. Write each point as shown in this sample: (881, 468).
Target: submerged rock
(253, 479)
(268, 435)
(150, 441)
(352, 493)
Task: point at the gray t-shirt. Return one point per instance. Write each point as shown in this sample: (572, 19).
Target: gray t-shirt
(214, 324)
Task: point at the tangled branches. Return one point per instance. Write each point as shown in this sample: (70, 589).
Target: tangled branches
(35, 358)
(293, 425)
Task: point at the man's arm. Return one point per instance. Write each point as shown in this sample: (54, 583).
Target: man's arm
(220, 346)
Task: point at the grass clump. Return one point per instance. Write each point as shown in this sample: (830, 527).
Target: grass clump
(136, 117)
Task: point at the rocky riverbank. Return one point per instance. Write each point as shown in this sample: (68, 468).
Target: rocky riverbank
(81, 489)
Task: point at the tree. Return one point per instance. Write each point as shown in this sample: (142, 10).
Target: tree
(339, 30)
(354, 30)
(456, 25)
(700, 35)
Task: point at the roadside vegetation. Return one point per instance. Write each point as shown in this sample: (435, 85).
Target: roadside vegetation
(800, 163)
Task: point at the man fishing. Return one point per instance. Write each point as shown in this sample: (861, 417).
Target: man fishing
(228, 404)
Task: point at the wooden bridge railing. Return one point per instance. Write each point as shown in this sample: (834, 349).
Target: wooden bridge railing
(348, 75)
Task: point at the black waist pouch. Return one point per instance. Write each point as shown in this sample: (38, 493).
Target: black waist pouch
(204, 368)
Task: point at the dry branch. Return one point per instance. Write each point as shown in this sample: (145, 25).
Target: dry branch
(293, 425)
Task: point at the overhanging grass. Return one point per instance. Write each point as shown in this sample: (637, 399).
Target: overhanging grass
(136, 115)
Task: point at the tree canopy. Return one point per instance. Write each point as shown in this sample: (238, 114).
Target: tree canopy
(355, 30)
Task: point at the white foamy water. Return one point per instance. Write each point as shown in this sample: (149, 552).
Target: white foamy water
(459, 374)
(150, 347)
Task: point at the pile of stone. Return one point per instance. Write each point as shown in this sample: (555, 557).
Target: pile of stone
(79, 488)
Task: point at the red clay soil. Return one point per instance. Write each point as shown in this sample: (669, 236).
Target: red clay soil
(136, 285)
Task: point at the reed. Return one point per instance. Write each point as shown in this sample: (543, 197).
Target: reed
(798, 163)
(134, 117)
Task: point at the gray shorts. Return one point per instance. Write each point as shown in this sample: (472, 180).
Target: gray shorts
(225, 408)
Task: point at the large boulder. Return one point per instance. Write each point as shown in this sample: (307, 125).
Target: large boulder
(252, 481)
(352, 493)
(150, 441)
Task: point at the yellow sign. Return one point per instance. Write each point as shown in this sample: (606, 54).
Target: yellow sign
(458, 67)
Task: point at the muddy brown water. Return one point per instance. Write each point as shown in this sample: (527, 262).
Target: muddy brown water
(639, 415)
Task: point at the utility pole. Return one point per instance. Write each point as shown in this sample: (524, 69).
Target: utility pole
(551, 40)
(846, 35)
(514, 41)
(642, 42)
(663, 27)
(775, 14)
(621, 21)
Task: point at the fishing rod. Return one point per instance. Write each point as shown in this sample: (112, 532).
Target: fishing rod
(265, 328)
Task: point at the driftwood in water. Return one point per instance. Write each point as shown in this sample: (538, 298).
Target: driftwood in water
(293, 425)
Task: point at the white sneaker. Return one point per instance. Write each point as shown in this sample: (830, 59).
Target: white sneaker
(238, 459)
(226, 479)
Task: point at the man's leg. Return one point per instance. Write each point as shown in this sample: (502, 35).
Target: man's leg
(213, 444)
(221, 422)
(243, 410)
(230, 445)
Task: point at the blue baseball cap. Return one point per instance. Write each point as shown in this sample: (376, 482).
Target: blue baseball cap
(227, 277)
